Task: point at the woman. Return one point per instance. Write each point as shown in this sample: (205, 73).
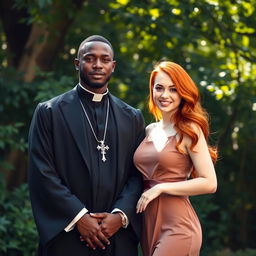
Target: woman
(175, 148)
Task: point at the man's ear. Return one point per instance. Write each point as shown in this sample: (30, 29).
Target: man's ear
(114, 65)
(76, 63)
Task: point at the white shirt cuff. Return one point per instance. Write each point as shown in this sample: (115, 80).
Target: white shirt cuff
(125, 216)
(71, 225)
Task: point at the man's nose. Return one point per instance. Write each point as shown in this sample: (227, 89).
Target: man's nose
(97, 63)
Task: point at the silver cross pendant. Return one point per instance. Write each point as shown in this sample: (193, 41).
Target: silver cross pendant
(103, 149)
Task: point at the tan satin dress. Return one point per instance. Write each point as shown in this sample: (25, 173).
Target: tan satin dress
(170, 224)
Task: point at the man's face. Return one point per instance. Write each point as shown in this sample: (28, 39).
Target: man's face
(96, 65)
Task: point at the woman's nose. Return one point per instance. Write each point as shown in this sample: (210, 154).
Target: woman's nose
(165, 94)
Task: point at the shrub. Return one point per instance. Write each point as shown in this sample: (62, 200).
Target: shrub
(227, 252)
(18, 235)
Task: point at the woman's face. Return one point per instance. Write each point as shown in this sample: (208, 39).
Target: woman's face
(165, 95)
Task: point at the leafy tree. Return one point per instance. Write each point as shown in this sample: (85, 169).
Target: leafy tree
(213, 40)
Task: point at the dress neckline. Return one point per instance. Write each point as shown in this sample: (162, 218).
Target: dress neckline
(168, 137)
(169, 140)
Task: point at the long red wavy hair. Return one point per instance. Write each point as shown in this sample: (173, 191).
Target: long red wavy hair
(190, 110)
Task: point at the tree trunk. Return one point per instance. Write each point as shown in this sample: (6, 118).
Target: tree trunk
(32, 47)
(16, 32)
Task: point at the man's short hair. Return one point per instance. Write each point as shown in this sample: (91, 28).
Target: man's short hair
(95, 38)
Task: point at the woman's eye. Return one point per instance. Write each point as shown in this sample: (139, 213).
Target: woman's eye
(173, 90)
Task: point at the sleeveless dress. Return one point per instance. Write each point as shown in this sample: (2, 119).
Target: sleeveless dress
(170, 224)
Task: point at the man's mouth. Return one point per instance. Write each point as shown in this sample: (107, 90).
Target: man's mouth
(97, 75)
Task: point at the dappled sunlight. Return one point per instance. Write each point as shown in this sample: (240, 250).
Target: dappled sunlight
(214, 40)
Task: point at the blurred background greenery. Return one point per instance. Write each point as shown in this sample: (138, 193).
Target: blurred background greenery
(214, 40)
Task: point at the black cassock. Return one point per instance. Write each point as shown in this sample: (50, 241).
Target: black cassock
(66, 171)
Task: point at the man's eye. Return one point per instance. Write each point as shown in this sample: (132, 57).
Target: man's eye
(106, 60)
(88, 59)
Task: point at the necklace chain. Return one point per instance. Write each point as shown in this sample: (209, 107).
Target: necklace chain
(102, 147)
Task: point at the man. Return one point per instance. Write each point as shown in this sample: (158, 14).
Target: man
(83, 184)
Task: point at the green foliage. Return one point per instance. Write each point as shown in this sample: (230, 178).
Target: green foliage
(15, 112)
(7, 137)
(19, 99)
(245, 252)
(17, 229)
(212, 219)
(213, 40)
(50, 86)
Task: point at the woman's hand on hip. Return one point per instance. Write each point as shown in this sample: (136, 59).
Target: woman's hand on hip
(147, 197)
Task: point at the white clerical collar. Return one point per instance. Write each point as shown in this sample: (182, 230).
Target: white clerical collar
(96, 96)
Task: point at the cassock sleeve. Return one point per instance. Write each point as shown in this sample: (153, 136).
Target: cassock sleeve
(53, 205)
(129, 196)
